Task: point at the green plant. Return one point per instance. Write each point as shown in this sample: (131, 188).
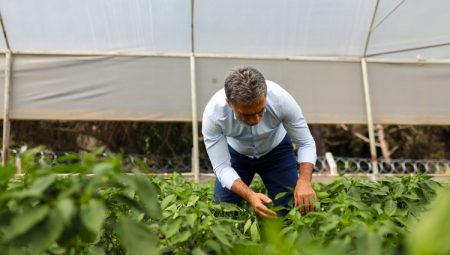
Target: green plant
(93, 206)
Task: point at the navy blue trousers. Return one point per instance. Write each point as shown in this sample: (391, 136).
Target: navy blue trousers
(278, 170)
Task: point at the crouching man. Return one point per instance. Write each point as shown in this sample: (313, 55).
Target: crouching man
(249, 127)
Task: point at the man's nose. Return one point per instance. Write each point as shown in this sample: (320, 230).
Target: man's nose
(254, 120)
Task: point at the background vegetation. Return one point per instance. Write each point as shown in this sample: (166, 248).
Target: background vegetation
(173, 139)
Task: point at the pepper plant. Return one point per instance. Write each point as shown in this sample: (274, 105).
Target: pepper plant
(92, 204)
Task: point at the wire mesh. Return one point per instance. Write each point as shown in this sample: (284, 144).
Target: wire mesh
(182, 163)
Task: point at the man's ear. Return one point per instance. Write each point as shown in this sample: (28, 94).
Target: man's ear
(229, 103)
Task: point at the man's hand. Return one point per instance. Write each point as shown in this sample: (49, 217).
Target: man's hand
(303, 190)
(256, 200)
(302, 196)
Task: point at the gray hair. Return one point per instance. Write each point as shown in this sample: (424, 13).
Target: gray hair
(245, 84)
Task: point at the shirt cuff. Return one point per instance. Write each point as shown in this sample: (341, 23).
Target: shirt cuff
(307, 155)
(227, 176)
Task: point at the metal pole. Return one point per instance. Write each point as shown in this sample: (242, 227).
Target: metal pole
(408, 49)
(387, 15)
(6, 121)
(408, 61)
(196, 156)
(196, 164)
(373, 151)
(280, 57)
(102, 53)
(369, 58)
(369, 33)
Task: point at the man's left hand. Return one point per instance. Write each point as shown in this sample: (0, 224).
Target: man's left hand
(302, 196)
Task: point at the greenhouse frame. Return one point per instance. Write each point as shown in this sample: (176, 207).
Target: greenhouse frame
(359, 62)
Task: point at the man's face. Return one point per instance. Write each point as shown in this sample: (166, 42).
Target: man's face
(250, 113)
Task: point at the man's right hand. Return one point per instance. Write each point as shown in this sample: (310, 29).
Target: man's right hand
(258, 201)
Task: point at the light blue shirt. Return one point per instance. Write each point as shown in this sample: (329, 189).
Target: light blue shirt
(282, 115)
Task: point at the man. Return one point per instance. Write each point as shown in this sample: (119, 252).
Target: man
(247, 128)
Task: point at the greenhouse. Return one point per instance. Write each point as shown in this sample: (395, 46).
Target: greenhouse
(375, 62)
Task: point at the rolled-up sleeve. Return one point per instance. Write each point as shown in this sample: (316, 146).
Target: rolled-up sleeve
(297, 129)
(217, 148)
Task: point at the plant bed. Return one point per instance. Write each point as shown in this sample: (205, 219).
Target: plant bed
(99, 209)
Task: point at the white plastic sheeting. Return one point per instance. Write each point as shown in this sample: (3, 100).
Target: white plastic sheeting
(97, 88)
(414, 24)
(289, 27)
(98, 25)
(73, 84)
(410, 93)
(317, 95)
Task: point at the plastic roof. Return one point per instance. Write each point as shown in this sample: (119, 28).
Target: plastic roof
(287, 27)
(402, 30)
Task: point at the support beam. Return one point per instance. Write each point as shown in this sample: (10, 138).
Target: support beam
(420, 61)
(6, 121)
(409, 49)
(369, 33)
(195, 153)
(279, 57)
(103, 53)
(196, 156)
(247, 57)
(387, 15)
(373, 151)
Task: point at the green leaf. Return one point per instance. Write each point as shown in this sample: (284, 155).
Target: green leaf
(167, 200)
(220, 234)
(67, 209)
(398, 189)
(102, 168)
(6, 173)
(93, 215)
(331, 223)
(23, 222)
(247, 225)
(148, 196)
(171, 228)
(412, 196)
(198, 251)
(322, 195)
(132, 203)
(41, 236)
(280, 195)
(181, 237)
(346, 183)
(254, 232)
(369, 244)
(37, 187)
(377, 207)
(190, 219)
(429, 235)
(94, 250)
(317, 206)
(193, 200)
(390, 207)
(227, 207)
(135, 238)
(286, 230)
(213, 245)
